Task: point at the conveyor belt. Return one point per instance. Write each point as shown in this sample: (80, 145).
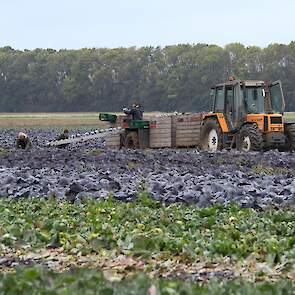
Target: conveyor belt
(87, 136)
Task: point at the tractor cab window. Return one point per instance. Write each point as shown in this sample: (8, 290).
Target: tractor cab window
(219, 100)
(254, 100)
(277, 97)
(229, 99)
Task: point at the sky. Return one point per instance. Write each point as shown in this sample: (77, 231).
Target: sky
(74, 24)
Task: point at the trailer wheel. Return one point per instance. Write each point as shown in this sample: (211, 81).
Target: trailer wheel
(131, 140)
(211, 136)
(250, 138)
(290, 135)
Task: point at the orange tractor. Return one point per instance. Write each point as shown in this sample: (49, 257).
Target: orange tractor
(247, 115)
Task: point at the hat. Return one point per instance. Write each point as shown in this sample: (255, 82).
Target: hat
(22, 135)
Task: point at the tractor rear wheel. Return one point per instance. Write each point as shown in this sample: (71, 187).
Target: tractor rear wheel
(290, 134)
(131, 140)
(250, 138)
(211, 136)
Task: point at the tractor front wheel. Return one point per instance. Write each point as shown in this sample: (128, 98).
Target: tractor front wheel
(290, 135)
(250, 138)
(131, 140)
(211, 136)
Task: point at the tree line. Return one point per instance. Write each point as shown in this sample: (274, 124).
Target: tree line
(161, 78)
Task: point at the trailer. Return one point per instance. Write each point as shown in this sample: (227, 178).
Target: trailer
(163, 131)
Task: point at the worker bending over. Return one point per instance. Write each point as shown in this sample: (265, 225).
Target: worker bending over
(135, 112)
(64, 135)
(23, 141)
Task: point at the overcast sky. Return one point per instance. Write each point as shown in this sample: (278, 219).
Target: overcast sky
(122, 23)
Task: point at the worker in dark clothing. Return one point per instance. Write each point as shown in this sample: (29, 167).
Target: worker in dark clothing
(23, 141)
(62, 136)
(135, 112)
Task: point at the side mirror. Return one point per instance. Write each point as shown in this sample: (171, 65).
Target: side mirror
(263, 93)
(212, 93)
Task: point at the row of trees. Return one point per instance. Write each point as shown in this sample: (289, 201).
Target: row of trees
(166, 79)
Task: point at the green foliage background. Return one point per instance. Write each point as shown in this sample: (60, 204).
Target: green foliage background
(146, 228)
(159, 240)
(33, 281)
(166, 79)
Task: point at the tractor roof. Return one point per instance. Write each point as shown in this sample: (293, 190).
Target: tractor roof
(249, 83)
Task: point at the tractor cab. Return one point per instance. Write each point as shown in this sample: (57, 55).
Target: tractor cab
(247, 115)
(252, 100)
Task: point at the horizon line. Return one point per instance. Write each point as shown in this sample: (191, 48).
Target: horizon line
(147, 46)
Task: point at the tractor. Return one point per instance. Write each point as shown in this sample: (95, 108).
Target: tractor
(247, 115)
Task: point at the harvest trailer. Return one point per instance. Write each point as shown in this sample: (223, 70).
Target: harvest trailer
(247, 115)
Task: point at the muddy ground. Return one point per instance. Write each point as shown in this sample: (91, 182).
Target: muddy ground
(257, 180)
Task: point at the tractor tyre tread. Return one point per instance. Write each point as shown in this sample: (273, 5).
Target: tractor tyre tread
(255, 136)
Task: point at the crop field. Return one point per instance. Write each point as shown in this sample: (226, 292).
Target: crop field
(86, 219)
(108, 247)
(13, 120)
(119, 240)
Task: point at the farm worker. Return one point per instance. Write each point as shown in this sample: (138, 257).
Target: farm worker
(135, 112)
(64, 135)
(23, 141)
